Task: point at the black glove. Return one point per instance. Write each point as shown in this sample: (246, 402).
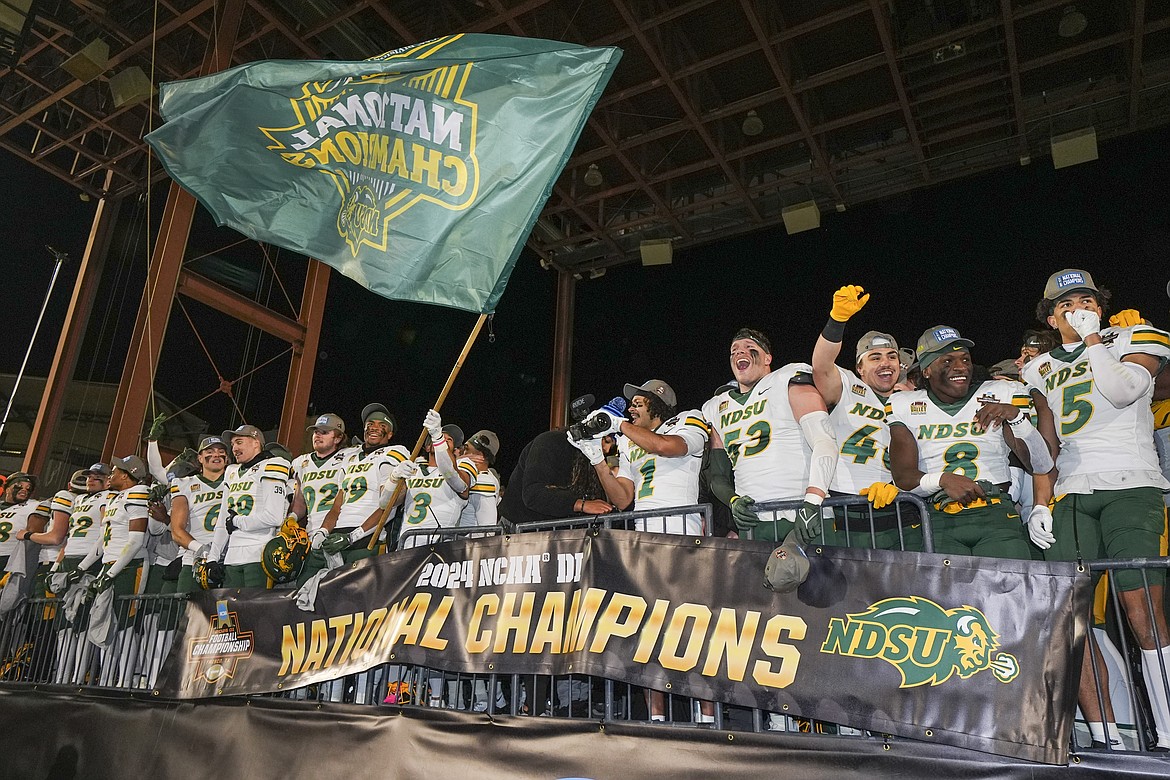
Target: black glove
(742, 513)
(230, 523)
(808, 522)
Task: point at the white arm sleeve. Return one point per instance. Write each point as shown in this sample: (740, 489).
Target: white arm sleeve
(155, 464)
(1038, 456)
(93, 556)
(1121, 383)
(133, 545)
(454, 479)
(818, 432)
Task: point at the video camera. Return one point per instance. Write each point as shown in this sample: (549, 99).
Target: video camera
(585, 428)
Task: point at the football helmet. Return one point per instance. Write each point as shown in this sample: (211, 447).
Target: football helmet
(284, 555)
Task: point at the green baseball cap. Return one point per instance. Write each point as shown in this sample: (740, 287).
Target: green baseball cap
(939, 340)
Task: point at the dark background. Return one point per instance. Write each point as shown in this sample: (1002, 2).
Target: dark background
(973, 254)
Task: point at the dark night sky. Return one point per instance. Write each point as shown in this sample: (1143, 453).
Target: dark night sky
(971, 253)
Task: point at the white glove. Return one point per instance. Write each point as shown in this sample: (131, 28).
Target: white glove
(614, 422)
(1084, 322)
(591, 448)
(316, 538)
(204, 551)
(1040, 526)
(434, 425)
(404, 470)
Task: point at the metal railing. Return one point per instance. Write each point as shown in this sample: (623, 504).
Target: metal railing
(39, 644)
(851, 521)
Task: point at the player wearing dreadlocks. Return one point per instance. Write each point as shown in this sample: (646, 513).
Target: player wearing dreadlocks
(857, 403)
(1093, 396)
(367, 477)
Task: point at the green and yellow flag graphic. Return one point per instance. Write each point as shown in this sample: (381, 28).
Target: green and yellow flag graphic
(418, 173)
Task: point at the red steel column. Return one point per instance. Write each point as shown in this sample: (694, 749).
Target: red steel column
(304, 359)
(40, 443)
(134, 391)
(562, 349)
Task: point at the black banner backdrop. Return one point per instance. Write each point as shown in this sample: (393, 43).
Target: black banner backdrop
(972, 652)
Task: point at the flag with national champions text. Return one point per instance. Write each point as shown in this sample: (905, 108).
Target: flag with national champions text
(418, 173)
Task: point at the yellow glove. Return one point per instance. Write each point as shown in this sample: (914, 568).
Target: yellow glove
(290, 527)
(1127, 318)
(847, 301)
(1161, 411)
(880, 494)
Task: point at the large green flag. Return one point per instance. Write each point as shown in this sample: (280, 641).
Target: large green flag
(418, 173)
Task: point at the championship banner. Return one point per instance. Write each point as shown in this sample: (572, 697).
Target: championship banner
(418, 174)
(951, 650)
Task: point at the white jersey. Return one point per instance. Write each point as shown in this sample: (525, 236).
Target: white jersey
(661, 482)
(863, 435)
(319, 480)
(85, 522)
(768, 453)
(949, 439)
(1101, 447)
(13, 519)
(483, 498)
(431, 502)
(62, 501)
(365, 474)
(204, 499)
(257, 497)
(123, 507)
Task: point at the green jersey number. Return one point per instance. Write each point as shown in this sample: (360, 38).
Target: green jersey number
(5, 531)
(647, 469)
(241, 505)
(419, 513)
(354, 489)
(81, 526)
(861, 446)
(210, 518)
(756, 439)
(960, 459)
(1074, 407)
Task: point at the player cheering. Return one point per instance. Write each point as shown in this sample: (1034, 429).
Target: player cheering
(659, 458)
(1092, 396)
(195, 507)
(15, 508)
(366, 479)
(256, 492)
(860, 427)
(771, 440)
(318, 476)
(950, 444)
(121, 552)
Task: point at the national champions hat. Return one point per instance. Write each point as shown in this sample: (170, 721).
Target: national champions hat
(132, 465)
(211, 441)
(250, 431)
(787, 566)
(939, 340)
(1068, 281)
(330, 422)
(487, 443)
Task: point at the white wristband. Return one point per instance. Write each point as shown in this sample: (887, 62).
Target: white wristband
(813, 498)
(929, 484)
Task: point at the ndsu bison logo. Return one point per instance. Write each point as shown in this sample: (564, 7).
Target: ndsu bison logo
(925, 642)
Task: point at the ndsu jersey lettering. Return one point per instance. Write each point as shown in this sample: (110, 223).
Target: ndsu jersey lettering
(863, 435)
(85, 522)
(763, 440)
(129, 504)
(363, 477)
(1101, 446)
(661, 482)
(949, 439)
(204, 499)
(13, 519)
(320, 482)
(431, 502)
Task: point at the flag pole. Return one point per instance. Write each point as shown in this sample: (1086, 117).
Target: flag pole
(423, 436)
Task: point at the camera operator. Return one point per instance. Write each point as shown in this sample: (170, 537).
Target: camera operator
(552, 480)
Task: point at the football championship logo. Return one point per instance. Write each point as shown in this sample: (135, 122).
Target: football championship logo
(926, 643)
(389, 141)
(216, 654)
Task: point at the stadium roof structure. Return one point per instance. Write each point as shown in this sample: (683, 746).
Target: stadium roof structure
(721, 115)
